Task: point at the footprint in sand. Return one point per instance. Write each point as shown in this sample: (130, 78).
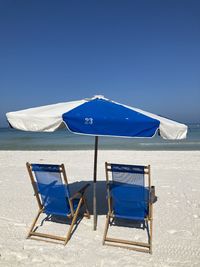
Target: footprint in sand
(20, 224)
(172, 231)
(137, 237)
(183, 233)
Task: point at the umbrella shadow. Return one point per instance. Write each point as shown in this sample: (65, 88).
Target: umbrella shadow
(101, 195)
(101, 199)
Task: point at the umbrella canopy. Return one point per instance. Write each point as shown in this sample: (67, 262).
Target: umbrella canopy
(96, 116)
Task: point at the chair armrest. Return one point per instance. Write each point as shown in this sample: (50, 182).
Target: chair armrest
(153, 197)
(79, 193)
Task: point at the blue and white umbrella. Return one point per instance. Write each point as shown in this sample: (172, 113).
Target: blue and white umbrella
(96, 116)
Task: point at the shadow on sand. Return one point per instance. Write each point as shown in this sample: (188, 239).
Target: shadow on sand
(102, 203)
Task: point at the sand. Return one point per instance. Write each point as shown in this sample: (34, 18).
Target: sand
(176, 230)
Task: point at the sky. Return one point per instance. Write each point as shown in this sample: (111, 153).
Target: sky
(143, 53)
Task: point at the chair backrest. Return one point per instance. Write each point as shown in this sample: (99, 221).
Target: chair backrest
(128, 191)
(51, 188)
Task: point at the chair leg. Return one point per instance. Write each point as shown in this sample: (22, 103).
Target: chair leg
(34, 223)
(73, 221)
(151, 228)
(106, 228)
(86, 214)
(133, 245)
(151, 232)
(52, 236)
(57, 237)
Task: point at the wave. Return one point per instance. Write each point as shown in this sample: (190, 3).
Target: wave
(170, 144)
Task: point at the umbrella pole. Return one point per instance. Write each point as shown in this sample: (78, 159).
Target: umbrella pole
(94, 183)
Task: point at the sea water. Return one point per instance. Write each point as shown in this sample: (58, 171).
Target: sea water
(11, 139)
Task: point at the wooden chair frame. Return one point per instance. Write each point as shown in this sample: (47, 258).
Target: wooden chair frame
(133, 245)
(72, 216)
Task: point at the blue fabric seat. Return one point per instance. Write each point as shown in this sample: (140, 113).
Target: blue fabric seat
(129, 201)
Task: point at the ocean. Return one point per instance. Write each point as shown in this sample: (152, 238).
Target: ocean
(11, 139)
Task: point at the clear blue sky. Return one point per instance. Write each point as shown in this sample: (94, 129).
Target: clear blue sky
(144, 53)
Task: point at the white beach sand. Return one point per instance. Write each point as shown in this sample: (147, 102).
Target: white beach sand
(176, 230)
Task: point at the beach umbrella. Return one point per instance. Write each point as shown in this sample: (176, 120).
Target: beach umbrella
(97, 116)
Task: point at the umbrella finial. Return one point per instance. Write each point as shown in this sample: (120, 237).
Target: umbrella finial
(98, 96)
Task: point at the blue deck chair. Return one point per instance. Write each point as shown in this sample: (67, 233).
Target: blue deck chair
(130, 198)
(53, 197)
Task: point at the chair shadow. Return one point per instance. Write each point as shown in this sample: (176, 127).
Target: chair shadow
(60, 220)
(101, 199)
(128, 223)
